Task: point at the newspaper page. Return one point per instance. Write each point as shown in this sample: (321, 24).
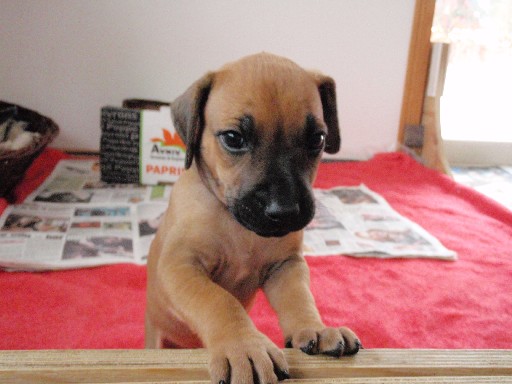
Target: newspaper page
(74, 220)
(78, 181)
(358, 222)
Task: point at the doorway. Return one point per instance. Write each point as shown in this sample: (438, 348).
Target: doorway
(476, 118)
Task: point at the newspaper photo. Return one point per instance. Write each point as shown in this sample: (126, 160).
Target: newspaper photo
(74, 220)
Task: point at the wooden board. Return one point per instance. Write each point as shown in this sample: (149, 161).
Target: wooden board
(175, 366)
(417, 66)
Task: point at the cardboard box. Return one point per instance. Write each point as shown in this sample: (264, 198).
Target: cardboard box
(139, 144)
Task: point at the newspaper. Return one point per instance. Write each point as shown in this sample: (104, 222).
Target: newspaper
(359, 222)
(74, 220)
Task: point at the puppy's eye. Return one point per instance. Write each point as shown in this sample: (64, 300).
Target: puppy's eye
(233, 141)
(316, 141)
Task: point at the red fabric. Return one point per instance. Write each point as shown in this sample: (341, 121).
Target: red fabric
(392, 303)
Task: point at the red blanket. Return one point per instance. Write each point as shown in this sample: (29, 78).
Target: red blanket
(393, 303)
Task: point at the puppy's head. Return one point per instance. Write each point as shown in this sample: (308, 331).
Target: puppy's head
(256, 130)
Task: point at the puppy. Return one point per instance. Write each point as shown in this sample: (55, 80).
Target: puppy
(255, 131)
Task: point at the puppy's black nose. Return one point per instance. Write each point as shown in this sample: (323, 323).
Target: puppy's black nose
(277, 211)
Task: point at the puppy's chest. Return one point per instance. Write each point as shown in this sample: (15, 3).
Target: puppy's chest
(241, 274)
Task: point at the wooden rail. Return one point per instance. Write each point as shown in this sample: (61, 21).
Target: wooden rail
(179, 366)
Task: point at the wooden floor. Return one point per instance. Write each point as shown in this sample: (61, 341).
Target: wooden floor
(171, 366)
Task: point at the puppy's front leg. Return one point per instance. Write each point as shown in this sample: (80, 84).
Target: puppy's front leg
(238, 351)
(287, 290)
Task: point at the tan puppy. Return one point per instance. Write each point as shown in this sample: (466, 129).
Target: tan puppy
(255, 131)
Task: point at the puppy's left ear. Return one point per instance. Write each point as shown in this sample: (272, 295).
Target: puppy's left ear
(327, 90)
(188, 115)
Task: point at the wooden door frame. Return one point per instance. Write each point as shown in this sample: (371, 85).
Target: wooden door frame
(417, 67)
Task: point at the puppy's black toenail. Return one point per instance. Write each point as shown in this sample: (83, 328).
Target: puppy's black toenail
(282, 375)
(310, 348)
(336, 352)
(357, 347)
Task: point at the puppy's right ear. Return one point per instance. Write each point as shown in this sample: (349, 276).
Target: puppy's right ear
(188, 115)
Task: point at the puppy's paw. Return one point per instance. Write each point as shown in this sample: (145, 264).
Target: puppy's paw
(328, 341)
(249, 359)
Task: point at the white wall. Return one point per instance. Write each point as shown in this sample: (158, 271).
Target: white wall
(68, 58)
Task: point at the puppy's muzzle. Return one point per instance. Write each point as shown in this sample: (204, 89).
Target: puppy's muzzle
(275, 210)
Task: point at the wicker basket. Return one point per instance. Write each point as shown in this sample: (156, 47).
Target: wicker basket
(13, 164)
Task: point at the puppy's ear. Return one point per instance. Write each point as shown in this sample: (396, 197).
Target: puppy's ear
(327, 90)
(188, 115)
